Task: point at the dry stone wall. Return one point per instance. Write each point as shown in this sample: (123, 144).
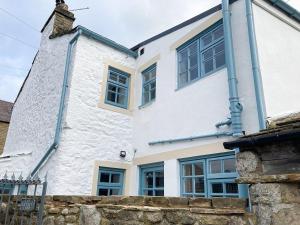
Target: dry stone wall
(68, 210)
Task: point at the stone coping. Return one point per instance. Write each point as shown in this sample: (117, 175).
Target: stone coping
(278, 178)
(236, 204)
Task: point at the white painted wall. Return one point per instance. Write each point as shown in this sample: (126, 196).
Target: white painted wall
(34, 115)
(195, 109)
(90, 133)
(279, 54)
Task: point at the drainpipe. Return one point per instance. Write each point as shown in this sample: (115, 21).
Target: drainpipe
(235, 105)
(60, 115)
(259, 94)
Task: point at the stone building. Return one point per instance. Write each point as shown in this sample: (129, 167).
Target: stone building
(5, 114)
(103, 119)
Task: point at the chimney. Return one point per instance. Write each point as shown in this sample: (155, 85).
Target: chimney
(63, 19)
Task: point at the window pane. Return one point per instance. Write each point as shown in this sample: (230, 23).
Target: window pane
(102, 192)
(112, 88)
(198, 169)
(232, 188)
(218, 33)
(193, 60)
(121, 90)
(159, 193)
(215, 166)
(148, 180)
(199, 185)
(208, 54)
(220, 48)
(188, 185)
(146, 77)
(152, 95)
(146, 97)
(159, 179)
(220, 60)
(148, 192)
(217, 188)
(122, 80)
(183, 55)
(229, 166)
(207, 39)
(104, 177)
(208, 66)
(121, 99)
(115, 178)
(194, 73)
(113, 76)
(183, 78)
(188, 169)
(193, 48)
(114, 191)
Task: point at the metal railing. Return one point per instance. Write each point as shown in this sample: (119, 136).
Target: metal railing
(22, 200)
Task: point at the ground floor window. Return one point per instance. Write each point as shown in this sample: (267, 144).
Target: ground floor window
(152, 180)
(110, 181)
(6, 188)
(209, 176)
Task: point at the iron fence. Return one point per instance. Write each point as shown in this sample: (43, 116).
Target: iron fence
(22, 200)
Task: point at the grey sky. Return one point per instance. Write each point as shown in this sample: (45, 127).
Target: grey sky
(127, 22)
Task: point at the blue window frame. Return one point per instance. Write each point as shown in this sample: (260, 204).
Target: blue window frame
(149, 84)
(210, 176)
(152, 180)
(6, 188)
(117, 88)
(110, 181)
(202, 55)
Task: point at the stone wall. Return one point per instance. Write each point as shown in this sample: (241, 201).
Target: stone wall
(3, 133)
(68, 210)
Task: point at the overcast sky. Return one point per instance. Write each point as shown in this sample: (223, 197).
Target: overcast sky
(127, 22)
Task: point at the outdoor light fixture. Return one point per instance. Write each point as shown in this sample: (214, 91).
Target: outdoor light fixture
(123, 154)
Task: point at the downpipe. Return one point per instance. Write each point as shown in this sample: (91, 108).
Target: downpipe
(60, 115)
(259, 93)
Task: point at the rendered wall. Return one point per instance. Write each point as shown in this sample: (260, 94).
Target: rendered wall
(90, 133)
(279, 54)
(34, 116)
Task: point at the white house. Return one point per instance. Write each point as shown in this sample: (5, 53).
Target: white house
(102, 119)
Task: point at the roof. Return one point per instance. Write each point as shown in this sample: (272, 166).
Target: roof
(5, 111)
(282, 129)
(279, 4)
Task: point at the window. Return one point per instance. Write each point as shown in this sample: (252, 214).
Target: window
(110, 181)
(202, 55)
(6, 188)
(209, 177)
(117, 88)
(152, 180)
(149, 84)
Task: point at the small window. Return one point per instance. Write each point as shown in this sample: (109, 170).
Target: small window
(117, 88)
(149, 84)
(6, 188)
(110, 181)
(202, 55)
(223, 188)
(152, 180)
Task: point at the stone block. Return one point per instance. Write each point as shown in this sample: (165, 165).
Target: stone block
(228, 203)
(89, 215)
(175, 202)
(200, 202)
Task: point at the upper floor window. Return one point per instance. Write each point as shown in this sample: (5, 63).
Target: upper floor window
(149, 84)
(110, 181)
(117, 88)
(202, 55)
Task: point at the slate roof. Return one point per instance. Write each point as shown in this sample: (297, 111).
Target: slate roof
(5, 111)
